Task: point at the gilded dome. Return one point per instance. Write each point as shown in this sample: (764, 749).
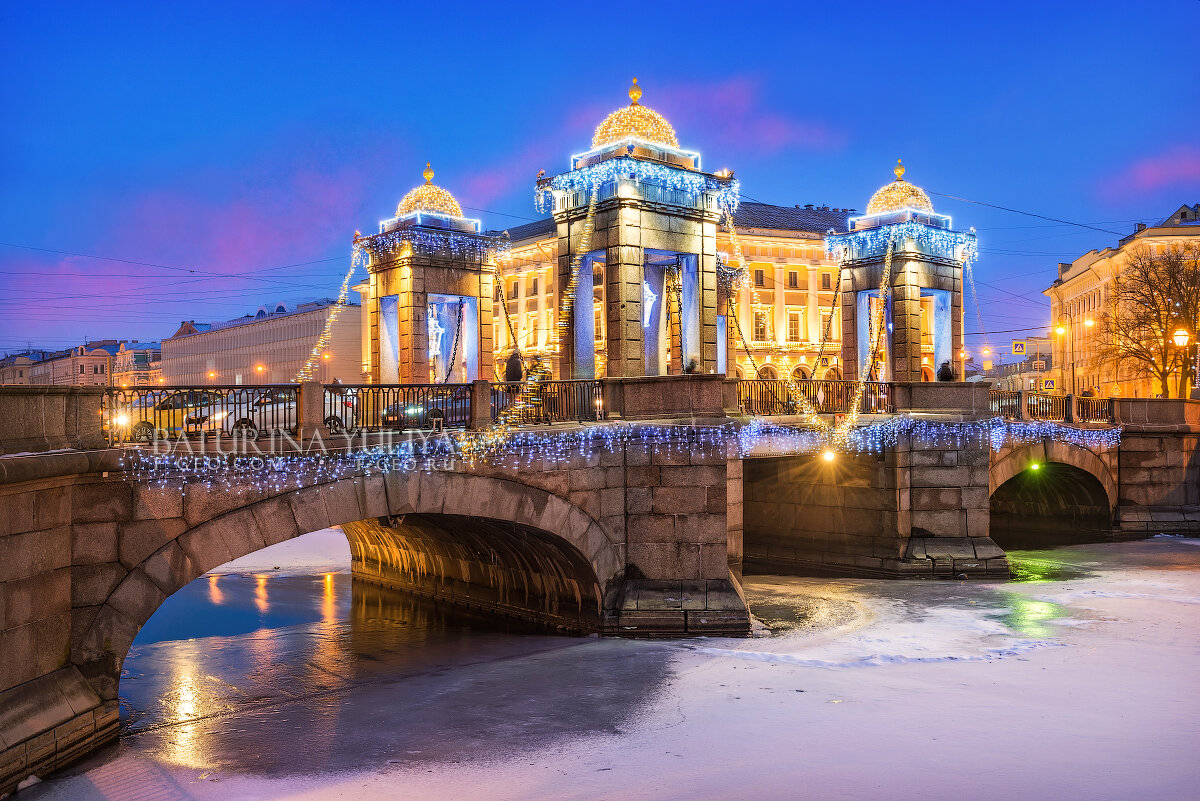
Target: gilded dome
(428, 197)
(899, 194)
(634, 120)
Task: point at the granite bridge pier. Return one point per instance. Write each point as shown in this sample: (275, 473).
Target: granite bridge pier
(630, 507)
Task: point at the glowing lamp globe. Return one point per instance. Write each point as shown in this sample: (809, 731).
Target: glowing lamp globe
(1181, 337)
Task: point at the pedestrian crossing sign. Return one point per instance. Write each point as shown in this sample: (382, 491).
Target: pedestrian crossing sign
(1048, 384)
(1018, 347)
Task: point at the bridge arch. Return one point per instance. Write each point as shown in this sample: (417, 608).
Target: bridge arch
(1010, 461)
(403, 526)
(1050, 493)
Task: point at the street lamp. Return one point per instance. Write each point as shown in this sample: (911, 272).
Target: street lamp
(1062, 329)
(1181, 337)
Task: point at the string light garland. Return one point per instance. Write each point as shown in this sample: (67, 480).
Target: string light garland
(854, 245)
(522, 449)
(309, 370)
(433, 241)
(609, 171)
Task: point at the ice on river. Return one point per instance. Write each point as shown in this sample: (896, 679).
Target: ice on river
(1077, 682)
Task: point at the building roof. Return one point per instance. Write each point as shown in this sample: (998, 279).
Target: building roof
(190, 327)
(810, 219)
(813, 219)
(539, 229)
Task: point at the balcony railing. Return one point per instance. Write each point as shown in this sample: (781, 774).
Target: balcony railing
(396, 407)
(554, 401)
(767, 397)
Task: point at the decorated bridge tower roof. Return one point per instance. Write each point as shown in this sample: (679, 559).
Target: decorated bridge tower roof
(429, 197)
(899, 194)
(635, 144)
(635, 121)
(429, 220)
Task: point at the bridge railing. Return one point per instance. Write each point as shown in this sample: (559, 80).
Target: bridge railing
(767, 397)
(1093, 410)
(1006, 404)
(350, 408)
(560, 401)
(1054, 408)
(145, 414)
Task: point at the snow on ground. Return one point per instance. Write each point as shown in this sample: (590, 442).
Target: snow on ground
(1082, 687)
(318, 552)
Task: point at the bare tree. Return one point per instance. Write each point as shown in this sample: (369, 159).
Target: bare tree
(1156, 293)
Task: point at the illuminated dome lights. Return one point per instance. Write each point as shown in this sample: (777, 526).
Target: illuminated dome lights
(899, 194)
(428, 197)
(634, 121)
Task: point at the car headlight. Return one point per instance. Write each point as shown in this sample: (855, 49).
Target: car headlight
(121, 419)
(219, 416)
(413, 411)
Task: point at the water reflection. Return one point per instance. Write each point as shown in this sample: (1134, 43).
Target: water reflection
(215, 596)
(361, 675)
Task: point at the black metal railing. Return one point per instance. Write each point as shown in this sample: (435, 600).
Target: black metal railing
(351, 408)
(1093, 410)
(767, 397)
(1052, 408)
(580, 401)
(149, 414)
(1005, 403)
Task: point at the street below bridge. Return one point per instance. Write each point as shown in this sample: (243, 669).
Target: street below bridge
(291, 683)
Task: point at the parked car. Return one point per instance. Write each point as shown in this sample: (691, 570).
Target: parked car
(157, 415)
(450, 405)
(251, 413)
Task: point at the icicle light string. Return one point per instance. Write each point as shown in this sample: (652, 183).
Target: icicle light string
(308, 371)
(526, 449)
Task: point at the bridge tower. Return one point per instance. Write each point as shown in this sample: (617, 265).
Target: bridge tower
(923, 323)
(646, 270)
(428, 294)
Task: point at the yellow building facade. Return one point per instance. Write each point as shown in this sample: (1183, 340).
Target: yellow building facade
(1082, 293)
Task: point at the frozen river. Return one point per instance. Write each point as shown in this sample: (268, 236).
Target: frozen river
(1079, 681)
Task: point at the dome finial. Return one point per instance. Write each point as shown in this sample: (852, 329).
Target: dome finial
(635, 93)
(899, 170)
(428, 172)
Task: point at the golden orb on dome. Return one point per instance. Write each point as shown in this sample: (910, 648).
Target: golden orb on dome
(899, 194)
(635, 120)
(428, 197)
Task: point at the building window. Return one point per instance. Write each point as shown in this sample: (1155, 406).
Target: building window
(826, 281)
(81, 369)
(793, 280)
(760, 326)
(793, 332)
(512, 295)
(760, 278)
(533, 288)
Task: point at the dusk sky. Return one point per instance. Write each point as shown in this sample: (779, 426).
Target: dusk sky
(221, 156)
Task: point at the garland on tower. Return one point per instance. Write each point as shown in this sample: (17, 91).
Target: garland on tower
(309, 370)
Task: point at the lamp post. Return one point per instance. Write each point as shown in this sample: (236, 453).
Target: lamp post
(1181, 337)
(1061, 329)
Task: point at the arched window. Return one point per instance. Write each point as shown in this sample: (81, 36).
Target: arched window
(833, 374)
(738, 373)
(927, 373)
(767, 372)
(801, 373)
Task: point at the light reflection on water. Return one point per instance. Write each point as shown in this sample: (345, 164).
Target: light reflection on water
(338, 674)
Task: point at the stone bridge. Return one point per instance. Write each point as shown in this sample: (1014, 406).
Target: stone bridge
(643, 534)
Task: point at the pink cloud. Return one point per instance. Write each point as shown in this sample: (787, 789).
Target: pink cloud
(1176, 167)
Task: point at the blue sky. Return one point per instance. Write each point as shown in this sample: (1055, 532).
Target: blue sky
(237, 148)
